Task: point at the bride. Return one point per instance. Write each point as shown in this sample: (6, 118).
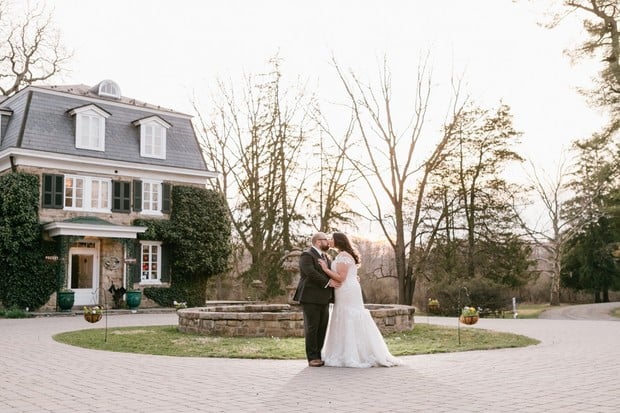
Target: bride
(353, 339)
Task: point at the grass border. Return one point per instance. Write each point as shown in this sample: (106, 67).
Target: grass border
(168, 341)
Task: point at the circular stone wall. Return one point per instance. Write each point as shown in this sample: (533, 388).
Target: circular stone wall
(276, 320)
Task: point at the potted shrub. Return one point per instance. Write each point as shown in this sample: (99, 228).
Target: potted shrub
(65, 299)
(469, 315)
(133, 299)
(93, 314)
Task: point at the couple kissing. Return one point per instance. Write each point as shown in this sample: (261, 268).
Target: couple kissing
(349, 337)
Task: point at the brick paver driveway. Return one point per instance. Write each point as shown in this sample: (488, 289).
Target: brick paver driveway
(576, 368)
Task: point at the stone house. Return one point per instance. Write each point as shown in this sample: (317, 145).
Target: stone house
(103, 161)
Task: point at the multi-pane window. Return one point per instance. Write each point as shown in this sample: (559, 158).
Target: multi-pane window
(87, 193)
(150, 261)
(99, 194)
(7, 114)
(89, 131)
(74, 192)
(110, 89)
(90, 127)
(151, 196)
(152, 136)
(154, 140)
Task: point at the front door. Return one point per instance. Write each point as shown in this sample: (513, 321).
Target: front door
(84, 274)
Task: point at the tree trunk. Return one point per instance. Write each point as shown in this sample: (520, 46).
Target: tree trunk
(401, 265)
(554, 298)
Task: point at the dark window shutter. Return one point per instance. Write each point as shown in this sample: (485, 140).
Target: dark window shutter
(165, 264)
(121, 196)
(165, 200)
(126, 200)
(53, 191)
(137, 196)
(48, 191)
(59, 191)
(116, 196)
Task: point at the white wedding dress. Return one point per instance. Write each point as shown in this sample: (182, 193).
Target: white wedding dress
(353, 339)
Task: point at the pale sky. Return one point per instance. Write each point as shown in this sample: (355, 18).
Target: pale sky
(163, 52)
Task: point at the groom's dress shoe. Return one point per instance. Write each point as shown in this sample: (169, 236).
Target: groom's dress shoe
(315, 363)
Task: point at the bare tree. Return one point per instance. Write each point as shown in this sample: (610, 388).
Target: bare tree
(388, 164)
(30, 48)
(551, 238)
(279, 162)
(256, 141)
(335, 177)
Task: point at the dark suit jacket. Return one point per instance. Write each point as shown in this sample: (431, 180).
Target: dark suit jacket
(311, 287)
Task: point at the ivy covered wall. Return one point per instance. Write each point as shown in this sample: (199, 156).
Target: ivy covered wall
(26, 279)
(197, 238)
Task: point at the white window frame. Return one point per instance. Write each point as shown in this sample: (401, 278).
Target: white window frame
(148, 128)
(103, 204)
(74, 193)
(100, 202)
(150, 205)
(94, 139)
(110, 89)
(146, 278)
(153, 143)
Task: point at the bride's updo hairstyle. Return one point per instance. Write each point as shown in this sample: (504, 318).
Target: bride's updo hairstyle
(342, 243)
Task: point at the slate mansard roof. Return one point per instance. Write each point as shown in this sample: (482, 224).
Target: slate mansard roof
(40, 121)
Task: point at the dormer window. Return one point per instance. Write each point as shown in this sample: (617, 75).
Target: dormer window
(89, 127)
(3, 113)
(109, 89)
(153, 137)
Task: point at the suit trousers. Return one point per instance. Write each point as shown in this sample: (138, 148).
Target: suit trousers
(316, 317)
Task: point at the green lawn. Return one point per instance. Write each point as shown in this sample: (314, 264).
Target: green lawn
(523, 311)
(166, 340)
(531, 310)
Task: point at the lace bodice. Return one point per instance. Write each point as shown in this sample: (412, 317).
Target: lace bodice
(349, 261)
(343, 257)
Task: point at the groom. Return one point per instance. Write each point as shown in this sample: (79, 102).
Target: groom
(315, 291)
